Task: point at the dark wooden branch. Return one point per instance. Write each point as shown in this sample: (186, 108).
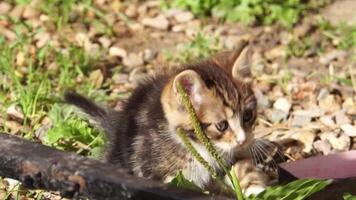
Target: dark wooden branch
(42, 167)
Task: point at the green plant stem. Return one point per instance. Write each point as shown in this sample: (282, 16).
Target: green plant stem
(205, 140)
(195, 153)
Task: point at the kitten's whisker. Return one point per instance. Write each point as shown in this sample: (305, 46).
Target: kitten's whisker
(257, 153)
(253, 155)
(272, 145)
(269, 159)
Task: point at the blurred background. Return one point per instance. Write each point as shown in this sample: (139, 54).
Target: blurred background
(303, 64)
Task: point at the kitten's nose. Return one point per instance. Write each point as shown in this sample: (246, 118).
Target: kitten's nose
(241, 137)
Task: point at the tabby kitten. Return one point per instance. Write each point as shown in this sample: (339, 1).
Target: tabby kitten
(142, 136)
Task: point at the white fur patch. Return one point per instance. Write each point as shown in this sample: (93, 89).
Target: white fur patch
(254, 189)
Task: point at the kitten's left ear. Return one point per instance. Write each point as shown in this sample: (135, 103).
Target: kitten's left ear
(193, 85)
(241, 68)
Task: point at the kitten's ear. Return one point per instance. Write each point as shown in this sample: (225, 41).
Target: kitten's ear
(241, 68)
(193, 85)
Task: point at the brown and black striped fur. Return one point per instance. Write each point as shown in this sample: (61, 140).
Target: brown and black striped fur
(142, 136)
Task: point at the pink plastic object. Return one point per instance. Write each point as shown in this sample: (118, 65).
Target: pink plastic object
(334, 166)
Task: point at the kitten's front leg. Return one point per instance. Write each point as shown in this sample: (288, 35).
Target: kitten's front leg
(252, 179)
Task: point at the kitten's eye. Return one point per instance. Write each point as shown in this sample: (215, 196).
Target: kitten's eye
(222, 126)
(247, 116)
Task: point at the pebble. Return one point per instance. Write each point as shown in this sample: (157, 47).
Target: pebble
(15, 113)
(282, 104)
(340, 143)
(178, 28)
(158, 22)
(322, 146)
(349, 130)
(133, 60)
(149, 55)
(30, 12)
(333, 55)
(4, 8)
(341, 118)
(105, 42)
(327, 121)
(329, 103)
(301, 119)
(276, 116)
(183, 17)
(117, 51)
(262, 100)
(42, 39)
(131, 11)
(307, 138)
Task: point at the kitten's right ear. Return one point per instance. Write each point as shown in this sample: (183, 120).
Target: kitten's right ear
(241, 68)
(193, 85)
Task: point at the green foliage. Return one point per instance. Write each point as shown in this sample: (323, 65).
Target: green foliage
(342, 36)
(286, 12)
(348, 196)
(71, 133)
(296, 190)
(180, 181)
(201, 46)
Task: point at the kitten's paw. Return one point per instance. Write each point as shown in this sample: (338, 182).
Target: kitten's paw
(254, 189)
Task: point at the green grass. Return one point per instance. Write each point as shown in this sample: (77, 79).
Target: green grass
(286, 12)
(199, 47)
(38, 89)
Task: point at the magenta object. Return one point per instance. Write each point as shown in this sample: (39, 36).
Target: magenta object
(333, 166)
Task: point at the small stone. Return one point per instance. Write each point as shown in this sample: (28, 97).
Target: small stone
(149, 55)
(16, 12)
(105, 42)
(82, 39)
(15, 113)
(4, 8)
(30, 12)
(276, 116)
(158, 22)
(183, 17)
(307, 138)
(172, 12)
(301, 119)
(322, 146)
(349, 130)
(323, 94)
(131, 11)
(262, 100)
(329, 103)
(282, 104)
(20, 58)
(232, 41)
(327, 121)
(14, 127)
(178, 28)
(42, 39)
(117, 51)
(133, 60)
(339, 143)
(335, 54)
(341, 118)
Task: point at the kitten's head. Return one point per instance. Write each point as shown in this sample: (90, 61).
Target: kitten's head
(220, 91)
